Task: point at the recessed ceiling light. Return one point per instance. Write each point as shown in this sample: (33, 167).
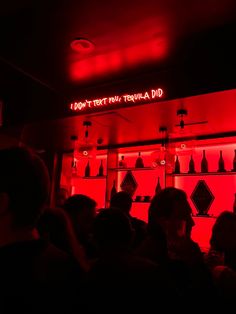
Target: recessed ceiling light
(82, 45)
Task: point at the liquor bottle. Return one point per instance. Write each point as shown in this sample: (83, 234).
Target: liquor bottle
(87, 170)
(101, 169)
(139, 161)
(113, 189)
(191, 167)
(122, 163)
(204, 163)
(158, 187)
(177, 165)
(234, 204)
(221, 163)
(74, 166)
(234, 161)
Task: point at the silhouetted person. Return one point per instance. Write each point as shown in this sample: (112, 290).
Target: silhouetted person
(223, 237)
(123, 201)
(55, 226)
(82, 210)
(170, 211)
(127, 282)
(33, 273)
(222, 256)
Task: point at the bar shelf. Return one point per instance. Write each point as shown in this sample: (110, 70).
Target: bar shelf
(94, 177)
(132, 169)
(204, 216)
(214, 173)
(142, 202)
(90, 177)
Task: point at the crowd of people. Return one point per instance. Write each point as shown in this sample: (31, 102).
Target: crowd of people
(76, 259)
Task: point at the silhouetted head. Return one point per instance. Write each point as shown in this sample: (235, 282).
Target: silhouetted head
(54, 226)
(24, 186)
(223, 237)
(112, 229)
(82, 210)
(171, 205)
(121, 200)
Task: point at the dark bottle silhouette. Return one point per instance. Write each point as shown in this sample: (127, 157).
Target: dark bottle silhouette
(113, 189)
(139, 161)
(221, 163)
(177, 165)
(101, 169)
(204, 162)
(191, 166)
(234, 161)
(234, 204)
(87, 170)
(122, 163)
(158, 186)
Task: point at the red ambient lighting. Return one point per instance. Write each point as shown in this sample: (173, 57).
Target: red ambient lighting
(126, 98)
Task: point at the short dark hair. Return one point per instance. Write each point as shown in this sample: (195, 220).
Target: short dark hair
(122, 200)
(79, 202)
(24, 177)
(112, 228)
(223, 237)
(164, 204)
(170, 203)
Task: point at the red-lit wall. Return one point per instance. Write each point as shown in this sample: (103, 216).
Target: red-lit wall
(94, 186)
(222, 186)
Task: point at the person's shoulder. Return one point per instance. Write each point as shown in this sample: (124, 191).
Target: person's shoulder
(138, 222)
(57, 264)
(51, 252)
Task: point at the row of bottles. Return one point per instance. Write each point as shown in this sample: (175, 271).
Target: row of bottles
(158, 189)
(138, 163)
(138, 198)
(87, 170)
(204, 164)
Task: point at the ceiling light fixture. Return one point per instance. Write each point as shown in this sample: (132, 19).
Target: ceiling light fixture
(82, 45)
(86, 148)
(159, 155)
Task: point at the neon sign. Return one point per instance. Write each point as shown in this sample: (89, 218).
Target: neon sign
(126, 98)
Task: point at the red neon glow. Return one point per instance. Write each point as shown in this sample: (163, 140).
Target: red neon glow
(126, 98)
(94, 187)
(223, 186)
(118, 59)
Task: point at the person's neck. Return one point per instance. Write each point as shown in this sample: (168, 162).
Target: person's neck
(10, 236)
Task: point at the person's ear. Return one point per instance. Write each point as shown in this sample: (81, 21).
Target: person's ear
(4, 203)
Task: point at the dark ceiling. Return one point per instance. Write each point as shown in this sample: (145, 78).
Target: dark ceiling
(187, 46)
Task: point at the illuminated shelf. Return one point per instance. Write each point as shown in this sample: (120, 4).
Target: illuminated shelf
(204, 216)
(144, 202)
(90, 177)
(94, 177)
(226, 173)
(133, 169)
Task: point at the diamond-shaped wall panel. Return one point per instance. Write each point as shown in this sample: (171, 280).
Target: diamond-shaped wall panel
(129, 183)
(202, 197)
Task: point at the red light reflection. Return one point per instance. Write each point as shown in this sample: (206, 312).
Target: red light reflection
(118, 60)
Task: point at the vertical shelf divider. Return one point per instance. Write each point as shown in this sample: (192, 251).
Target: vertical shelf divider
(112, 162)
